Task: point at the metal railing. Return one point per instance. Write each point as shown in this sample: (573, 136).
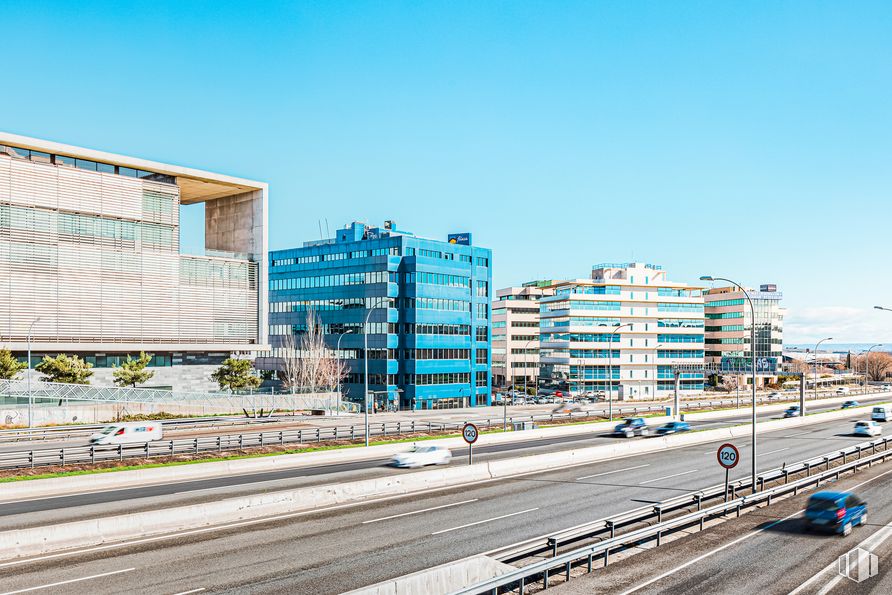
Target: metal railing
(816, 470)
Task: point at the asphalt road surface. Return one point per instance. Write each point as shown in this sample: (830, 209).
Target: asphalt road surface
(331, 551)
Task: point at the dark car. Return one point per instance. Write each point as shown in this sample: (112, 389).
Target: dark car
(836, 512)
(793, 411)
(632, 426)
(849, 404)
(673, 427)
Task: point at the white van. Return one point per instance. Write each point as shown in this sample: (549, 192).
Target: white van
(125, 433)
(881, 413)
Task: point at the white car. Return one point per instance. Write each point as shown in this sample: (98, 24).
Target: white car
(421, 456)
(842, 390)
(128, 433)
(868, 428)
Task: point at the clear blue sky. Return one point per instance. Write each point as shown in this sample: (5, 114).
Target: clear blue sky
(751, 140)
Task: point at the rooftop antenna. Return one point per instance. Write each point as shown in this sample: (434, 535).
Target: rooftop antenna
(327, 230)
(319, 221)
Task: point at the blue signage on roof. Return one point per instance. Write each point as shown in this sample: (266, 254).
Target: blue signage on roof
(460, 238)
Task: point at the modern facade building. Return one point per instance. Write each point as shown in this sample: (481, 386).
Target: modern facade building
(90, 261)
(515, 334)
(622, 331)
(426, 302)
(728, 329)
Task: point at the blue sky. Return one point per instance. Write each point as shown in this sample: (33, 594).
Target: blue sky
(750, 140)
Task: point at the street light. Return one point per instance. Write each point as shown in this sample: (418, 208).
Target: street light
(30, 399)
(365, 334)
(816, 367)
(883, 308)
(338, 364)
(867, 366)
(752, 360)
(610, 370)
(525, 345)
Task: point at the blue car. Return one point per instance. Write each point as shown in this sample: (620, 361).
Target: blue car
(632, 426)
(849, 404)
(672, 427)
(836, 512)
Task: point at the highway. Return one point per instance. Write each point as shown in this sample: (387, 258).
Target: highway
(330, 551)
(765, 551)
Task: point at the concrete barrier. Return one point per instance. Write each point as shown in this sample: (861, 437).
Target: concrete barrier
(440, 580)
(40, 540)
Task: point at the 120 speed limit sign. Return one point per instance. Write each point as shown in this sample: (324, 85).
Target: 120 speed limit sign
(470, 433)
(728, 456)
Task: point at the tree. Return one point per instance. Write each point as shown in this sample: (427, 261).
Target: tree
(729, 382)
(235, 374)
(310, 363)
(880, 365)
(9, 365)
(65, 368)
(133, 371)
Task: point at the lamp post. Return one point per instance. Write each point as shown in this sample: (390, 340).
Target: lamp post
(30, 398)
(752, 361)
(365, 335)
(338, 364)
(867, 366)
(816, 368)
(610, 370)
(525, 345)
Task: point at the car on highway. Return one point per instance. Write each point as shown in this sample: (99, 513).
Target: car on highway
(567, 407)
(868, 428)
(837, 512)
(849, 404)
(128, 433)
(774, 395)
(632, 426)
(673, 427)
(886, 387)
(842, 390)
(881, 413)
(421, 456)
(793, 411)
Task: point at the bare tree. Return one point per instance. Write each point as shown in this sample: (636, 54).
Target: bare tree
(729, 382)
(308, 362)
(290, 372)
(880, 365)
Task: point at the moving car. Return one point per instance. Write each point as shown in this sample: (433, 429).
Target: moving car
(632, 426)
(774, 395)
(793, 411)
(886, 387)
(881, 413)
(842, 390)
(567, 407)
(835, 511)
(421, 456)
(673, 427)
(128, 433)
(849, 404)
(868, 428)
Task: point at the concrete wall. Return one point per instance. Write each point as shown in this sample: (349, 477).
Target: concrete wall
(440, 580)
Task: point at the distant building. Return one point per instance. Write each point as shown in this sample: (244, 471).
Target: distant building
(429, 330)
(622, 330)
(515, 334)
(728, 328)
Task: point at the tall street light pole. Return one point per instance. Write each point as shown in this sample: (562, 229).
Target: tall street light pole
(338, 365)
(752, 362)
(525, 346)
(867, 366)
(365, 335)
(816, 367)
(610, 370)
(30, 398)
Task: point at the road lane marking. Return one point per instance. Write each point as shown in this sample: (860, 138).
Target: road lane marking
(504, 516)
(387, 518)
(796, 434)
(69, 581)
(198, 590)
(771, 452)
(736, 541)
(615, 471)
(667, 477)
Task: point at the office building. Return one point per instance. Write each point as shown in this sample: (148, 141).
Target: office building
(624, 330)
(427, 303)
(728, 328)
(515, 334)
(90, 261)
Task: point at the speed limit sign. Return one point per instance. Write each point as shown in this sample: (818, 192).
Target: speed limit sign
(728, 456)
(469, 432)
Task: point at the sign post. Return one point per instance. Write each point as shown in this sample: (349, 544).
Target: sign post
(470, 433)
(728, 457)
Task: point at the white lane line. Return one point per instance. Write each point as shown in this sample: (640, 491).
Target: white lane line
(198, 590)
(615, 471)
(667, 477)
(736, 541)
(69, 581)
(771, 452)
(504, 516)
(395, 516)
(796, 434)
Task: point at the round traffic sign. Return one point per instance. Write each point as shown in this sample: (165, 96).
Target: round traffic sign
(470, 433)
(728, 456)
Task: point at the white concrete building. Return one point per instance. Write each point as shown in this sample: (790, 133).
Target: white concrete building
(622, 330)
(515, 334)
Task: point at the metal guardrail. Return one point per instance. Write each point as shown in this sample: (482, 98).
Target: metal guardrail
(605, 530)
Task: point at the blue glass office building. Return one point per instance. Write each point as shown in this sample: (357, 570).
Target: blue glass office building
(427, 303)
